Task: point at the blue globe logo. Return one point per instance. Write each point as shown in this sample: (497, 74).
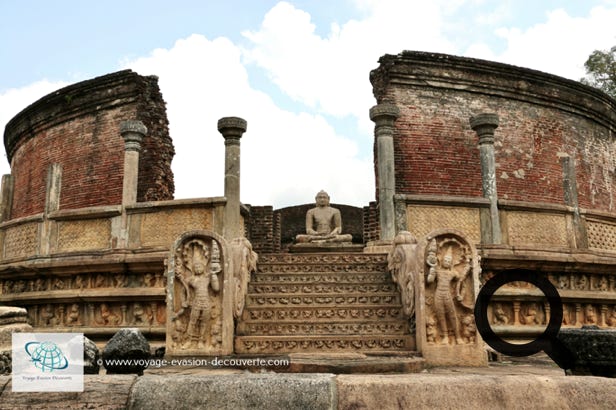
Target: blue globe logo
(46, 356)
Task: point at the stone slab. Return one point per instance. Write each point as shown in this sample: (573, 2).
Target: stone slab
(433, 391)
(234, 392)
(100, 392)
(325, 247)
(504, 387)
(380, 246)
(361, 364)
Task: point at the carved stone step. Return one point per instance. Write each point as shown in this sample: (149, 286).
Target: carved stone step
(374, 327)
(323, 313)
(322, 263)
(291, 344)
(297, 300)
(368, 277)
(327, 303)
(319, 288)
(322, 259)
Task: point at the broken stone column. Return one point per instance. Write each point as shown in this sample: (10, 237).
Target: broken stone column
(232, 129)
(52, 204)
(571, 199)
(384, 116)
(6, 203)
(12, 320)
(133, 133)
(484, 125)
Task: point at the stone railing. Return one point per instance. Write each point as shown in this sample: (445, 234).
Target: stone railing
(147, 226)
(523, 224)
(95, 270)
(577, 252)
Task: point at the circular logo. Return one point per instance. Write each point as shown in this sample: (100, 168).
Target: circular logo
(46, 356)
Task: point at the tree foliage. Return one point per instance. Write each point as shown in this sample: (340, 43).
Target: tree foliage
(601, 70)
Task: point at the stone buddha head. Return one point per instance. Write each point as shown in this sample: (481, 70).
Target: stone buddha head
(322, 198)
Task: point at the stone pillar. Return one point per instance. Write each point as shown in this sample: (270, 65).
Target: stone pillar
(133, 133)
(384, 116)
(232, 129)
(52, 203)
(484, 125)
(6, 203)
(571, 199)
(54, 183)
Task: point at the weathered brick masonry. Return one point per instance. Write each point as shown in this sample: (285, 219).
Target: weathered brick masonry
(542, 119)
(78, 128)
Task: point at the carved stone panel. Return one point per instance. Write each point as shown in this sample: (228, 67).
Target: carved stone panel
(199, 296)
(161, 228)
(423, 219)
(21, 240)
(448, 286)
(84, 235)
(534, 228)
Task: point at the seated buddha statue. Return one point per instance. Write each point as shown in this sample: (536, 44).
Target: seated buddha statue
(323, 223)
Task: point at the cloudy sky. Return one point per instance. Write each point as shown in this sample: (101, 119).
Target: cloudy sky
(297, 71)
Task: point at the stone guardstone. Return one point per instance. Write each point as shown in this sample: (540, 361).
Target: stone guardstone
(12, 319)
(129, 346)
(207, 281)
(448, 285)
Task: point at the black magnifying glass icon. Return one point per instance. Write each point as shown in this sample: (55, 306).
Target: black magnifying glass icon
(547, 341)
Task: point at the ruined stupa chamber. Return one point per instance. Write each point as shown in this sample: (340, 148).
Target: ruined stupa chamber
(80, 256)
(519, 160)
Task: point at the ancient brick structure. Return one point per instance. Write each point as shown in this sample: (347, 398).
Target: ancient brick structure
(517, 165)
(543, 119)
(520, 161)
(77, 127)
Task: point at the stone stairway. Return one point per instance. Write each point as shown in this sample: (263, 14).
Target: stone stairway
(325, 303)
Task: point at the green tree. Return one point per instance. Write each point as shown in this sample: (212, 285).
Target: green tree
(601, 71)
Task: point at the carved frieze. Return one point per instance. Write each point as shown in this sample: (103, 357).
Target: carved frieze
(332, 328)
(324, 344)
(81, 282)
(97, 314)
(334, 312)
(522, 314)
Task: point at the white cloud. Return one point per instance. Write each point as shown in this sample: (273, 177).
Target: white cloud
(14, 100)
(331, 73)
(560, 45)
(286, 157)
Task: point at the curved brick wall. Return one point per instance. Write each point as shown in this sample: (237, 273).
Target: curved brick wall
(78, 127)
(542, 119)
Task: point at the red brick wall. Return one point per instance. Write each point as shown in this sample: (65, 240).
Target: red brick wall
(542, 117)
(78, 127)
(372, 230)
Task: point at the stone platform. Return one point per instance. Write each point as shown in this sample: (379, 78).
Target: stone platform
(519, 384)
(354, 364)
